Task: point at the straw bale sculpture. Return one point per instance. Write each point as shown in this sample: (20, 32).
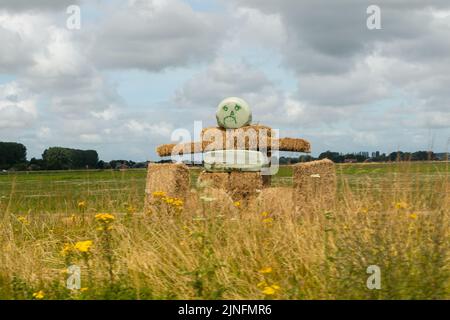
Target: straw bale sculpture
(237, 158)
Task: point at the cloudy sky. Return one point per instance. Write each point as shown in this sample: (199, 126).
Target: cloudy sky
(137, 70)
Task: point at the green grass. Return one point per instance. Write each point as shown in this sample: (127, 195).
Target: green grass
(60, 191)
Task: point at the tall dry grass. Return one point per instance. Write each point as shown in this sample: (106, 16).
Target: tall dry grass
(245, 253)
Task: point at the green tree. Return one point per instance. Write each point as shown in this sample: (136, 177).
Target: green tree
(333, 156)
(423, 156)
(12, 154)
(57, 158)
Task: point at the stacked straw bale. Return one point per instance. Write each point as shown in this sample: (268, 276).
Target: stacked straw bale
(245, 185)
(314, 183)
(171, 178)
(239, 185)
(217, 180)
(252, 137)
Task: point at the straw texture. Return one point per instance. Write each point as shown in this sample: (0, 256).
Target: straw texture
(314, 182)
(218, 180)
(239, 185)
(244, 185)
(294, 145)
(173, 179)
(284, 144)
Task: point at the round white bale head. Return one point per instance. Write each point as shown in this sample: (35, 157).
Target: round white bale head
(233, 113)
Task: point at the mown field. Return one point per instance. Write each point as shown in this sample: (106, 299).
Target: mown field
(395, 216)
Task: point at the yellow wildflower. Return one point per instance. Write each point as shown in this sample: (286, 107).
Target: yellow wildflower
(413, 216)
(276, 287)
(159, 194)
(168, 200)
(84, 289)
(400, 205)
(237, 204)
(178, 202)
(23, 220)
(104, 217)
(266, 270)
(262, 284)
(67, 249)
(270, 290)
(267, 221)
(265, 214)
(83, 246)
(81, 204)
(39, 295)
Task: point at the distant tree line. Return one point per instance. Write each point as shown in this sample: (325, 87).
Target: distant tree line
(393, 156)
(361, 157)
(121, 164)
(13, 156)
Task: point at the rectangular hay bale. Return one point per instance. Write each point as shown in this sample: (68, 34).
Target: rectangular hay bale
(217, 180)
(250, 137)
(171, 178)
(314, 183)
(294, 145)
(244, 185)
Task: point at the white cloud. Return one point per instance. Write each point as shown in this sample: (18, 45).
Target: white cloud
(40, 5)
(54, 66)
(251, 28)
(347, 87)
(91, 138)
(155, 35)
(44, 133)
(140, 128)
(107, 114)
(17, 107)
(219, 80)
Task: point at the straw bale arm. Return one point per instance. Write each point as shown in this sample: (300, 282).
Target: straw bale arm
(285, 144)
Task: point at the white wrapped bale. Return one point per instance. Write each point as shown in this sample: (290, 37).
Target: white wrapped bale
(233, 113)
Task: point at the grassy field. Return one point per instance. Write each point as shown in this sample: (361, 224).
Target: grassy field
(395, 216)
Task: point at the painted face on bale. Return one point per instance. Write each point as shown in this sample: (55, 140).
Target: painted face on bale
(233, 113)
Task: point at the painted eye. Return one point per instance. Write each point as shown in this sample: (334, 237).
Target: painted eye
(237, 107)
(225, 108)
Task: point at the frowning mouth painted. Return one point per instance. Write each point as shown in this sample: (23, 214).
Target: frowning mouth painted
(231, 118)
(233, 113)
